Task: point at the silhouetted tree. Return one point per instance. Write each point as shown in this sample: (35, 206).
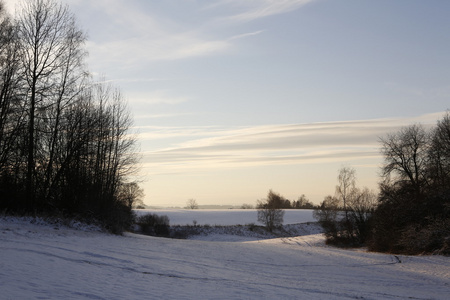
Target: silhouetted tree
(131, 194)
(346, 216)
(63, 137)
(192, 204)
(50, 53)
(346, 187)
(302, 203)
(270, 211)
(414, 201)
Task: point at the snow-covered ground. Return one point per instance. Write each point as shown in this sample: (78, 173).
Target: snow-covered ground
(225, 216)
(42, 261)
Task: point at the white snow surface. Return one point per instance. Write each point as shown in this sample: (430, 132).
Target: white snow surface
(54, 261)
(225, 216)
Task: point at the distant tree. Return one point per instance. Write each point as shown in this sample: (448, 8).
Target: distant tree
(247, 206)
(302, 203)
(192, 204)
(270, 212)
(131, 195)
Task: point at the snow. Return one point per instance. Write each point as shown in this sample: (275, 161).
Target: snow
(225, 216)
(56, 261)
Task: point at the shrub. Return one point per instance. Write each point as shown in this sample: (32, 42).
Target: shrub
(346, 217)
(154, 225)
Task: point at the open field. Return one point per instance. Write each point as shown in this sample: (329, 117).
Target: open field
(225, 217)
(45, 261)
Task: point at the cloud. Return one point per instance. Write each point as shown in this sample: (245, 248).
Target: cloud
(132, 33)
(156, 97)
(244, 35)
(135, 35)
(132, 80)
(158, 116)
(255, 9)
(171, 46)
(215, 147)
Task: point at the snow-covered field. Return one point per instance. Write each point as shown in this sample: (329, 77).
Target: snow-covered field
(225, 216)
(43, 261)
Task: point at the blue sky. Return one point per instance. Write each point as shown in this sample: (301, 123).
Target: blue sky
(232, 98)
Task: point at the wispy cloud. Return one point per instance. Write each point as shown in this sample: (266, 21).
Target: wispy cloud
(157, 97)
(250, 10)
(137, 35)
(272, 145)
(132, 80)
(158, 116)
(244, 35)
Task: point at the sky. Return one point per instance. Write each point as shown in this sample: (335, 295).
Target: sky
(232, 98)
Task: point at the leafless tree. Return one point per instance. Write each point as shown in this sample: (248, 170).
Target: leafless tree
(328, 216)
(12, 114)
(346, 216)
(406, 156)
(439, 153)
(414, 193)
(269, 210)
(192, 204)
(361, 207)
(50, 53)
(62, 136)
(131, 194)
(346, 187)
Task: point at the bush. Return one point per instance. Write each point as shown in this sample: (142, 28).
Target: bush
(406, 224)
(154, 225)
(346, 217)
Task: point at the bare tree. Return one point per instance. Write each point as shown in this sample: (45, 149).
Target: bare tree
(50, 53)
(328, 216)
(131, 194)
(439, 154)
(361, 208)
(192, 204)
(269, 210)
(62, 136)
(414, 200)
(405, 154)
(11, 112)
(346, 216)
(12, 115)
(346, 187)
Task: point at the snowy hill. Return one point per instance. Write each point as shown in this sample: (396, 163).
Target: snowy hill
(43, 261)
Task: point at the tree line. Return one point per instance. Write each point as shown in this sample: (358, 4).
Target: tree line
(411, 212)
(276, 200)
(65, 144)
